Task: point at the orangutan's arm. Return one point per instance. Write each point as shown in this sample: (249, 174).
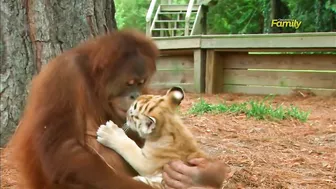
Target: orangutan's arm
(73, 165)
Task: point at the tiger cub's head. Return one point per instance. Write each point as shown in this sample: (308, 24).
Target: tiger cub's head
(148, 113)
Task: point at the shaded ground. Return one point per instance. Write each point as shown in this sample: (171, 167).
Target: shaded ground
(286, 154)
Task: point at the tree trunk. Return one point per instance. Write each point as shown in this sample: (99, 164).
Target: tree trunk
(266, 17)
(318, 12)
(275, 7)
(34, 31)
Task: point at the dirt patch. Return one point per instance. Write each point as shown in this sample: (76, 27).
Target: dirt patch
(285, 154)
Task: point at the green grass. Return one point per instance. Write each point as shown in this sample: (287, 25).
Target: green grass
(260, 110)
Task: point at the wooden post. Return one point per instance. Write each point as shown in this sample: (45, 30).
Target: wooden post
(199, 70)
(204, 19)
(213, 73)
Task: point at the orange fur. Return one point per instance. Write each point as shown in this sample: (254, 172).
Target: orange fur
(55, 147)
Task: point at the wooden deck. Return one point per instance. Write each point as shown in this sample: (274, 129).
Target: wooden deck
(226, 63)
(322, 41)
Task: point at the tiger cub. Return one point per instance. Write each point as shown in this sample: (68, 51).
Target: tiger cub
(156, 120)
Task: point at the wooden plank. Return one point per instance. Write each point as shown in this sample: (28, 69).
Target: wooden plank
(173, 52)
(197, 26)
(305, 34)
(267, 42)
(173, 76)
(324, 40)
(187, 87)
(177, 43)
(280, 61)
(175, 62)
(213, 73)
(209, 72)
(203, 69)
(292, 41)
(320, 49)
(266, 90)
(267, 35)
(283, 79)
(174, 8)
(198, 79)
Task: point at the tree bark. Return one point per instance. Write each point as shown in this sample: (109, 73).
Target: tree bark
(274, 14)
(34, 31)
(266, 17)
(318, 12)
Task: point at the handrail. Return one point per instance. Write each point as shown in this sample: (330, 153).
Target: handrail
(197, 21)
(187, 18)
(149, 16)
(153, 23)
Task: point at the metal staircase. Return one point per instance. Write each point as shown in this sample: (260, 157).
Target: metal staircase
(176, 19)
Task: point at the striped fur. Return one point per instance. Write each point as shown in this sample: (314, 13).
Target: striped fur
(155, 118)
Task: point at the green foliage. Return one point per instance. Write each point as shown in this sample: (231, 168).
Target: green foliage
(242, 16)
(329, 5)
(314, 17)
(260, 110)
(238, 16)
(131, 14)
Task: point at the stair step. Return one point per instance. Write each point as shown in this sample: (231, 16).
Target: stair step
(173, 21)
(170, 29)
(170, 21)
(174, 8)
(172, 12)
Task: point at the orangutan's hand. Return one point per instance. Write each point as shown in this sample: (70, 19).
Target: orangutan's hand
(202, 173)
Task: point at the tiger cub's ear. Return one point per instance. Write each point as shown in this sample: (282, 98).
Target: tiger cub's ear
(176, 95)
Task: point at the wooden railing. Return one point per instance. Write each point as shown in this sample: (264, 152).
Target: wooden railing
(188, 30)
(250, 63)
(149, 17)
(187, 18)
(197, 26)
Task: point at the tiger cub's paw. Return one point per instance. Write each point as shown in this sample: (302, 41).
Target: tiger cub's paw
(143, 179)
(153, 181)
(110, 135)
(140, 178)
